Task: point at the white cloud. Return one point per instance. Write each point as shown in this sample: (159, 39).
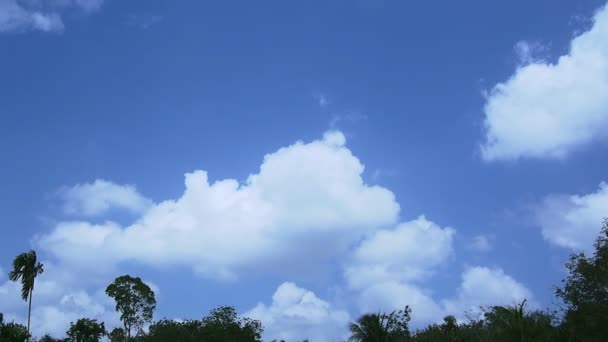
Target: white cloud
(481, 243)
(21, 16)
(573, 221)
(97, 198)
(14, 17)
(392, 268)
(409, 252)
(548, 110)
(482, 287)
(304, 194)
(528, 52)
(386, 269)
(296, 314)
(393, 295)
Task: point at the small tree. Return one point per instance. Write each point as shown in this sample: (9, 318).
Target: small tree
(49, 338)
(86, 330)
(12, 332)
(393, 327)
(117, 335)
(223, 324)
(585, 292)
(135, 302)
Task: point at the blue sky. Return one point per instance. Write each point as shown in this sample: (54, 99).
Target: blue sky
(303, 161)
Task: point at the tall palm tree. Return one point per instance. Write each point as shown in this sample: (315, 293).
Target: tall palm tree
(26, 268)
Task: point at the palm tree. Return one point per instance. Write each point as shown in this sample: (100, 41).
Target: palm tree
(393, 327)
(26, 268)
(369, 328)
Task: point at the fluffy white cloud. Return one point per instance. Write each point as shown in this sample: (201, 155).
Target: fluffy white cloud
(304, 195)
(20, 16)
(296, 314)
(393, 295)
(573, 221)
(548, 110)
(409, 252)
(386, 269)
(97, 198)
(482, 286)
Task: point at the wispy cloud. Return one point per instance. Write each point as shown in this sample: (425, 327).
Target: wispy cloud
(23, 16)
(143, 21)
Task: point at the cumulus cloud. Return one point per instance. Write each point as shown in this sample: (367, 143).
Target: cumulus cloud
(573, 221)
(547, 110)
(481, 287)
(388, 296)
(307, 205)
(392, 268)
(386, 270)
(408, 252)
(20, 16)
(97, 198)
(306, 194)
(296, 314)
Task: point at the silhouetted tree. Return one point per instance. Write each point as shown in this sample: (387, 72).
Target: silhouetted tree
(222, 325)
(117, 335)
(393, 327)
(134, 300)
(585, 292)
(86, 330)
(12, 332)
(49, 338)
(26, 268)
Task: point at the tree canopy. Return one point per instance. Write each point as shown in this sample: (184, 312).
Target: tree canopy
(135, 301)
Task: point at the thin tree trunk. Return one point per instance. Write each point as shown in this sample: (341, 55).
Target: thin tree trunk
(29, 313)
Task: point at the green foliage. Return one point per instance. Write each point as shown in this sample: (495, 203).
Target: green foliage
(86, 330)
(117, 335)
(48, 338)
(393, 327)
(585, 292)
(222, 325)
(135, 302)
(12, 332)
(448, 331)
(25, 269)
(498, 323)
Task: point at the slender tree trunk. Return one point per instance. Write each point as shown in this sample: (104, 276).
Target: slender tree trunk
(29, 313)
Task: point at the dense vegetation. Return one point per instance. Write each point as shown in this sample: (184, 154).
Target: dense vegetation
(582, 316)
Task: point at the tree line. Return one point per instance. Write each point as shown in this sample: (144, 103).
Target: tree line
(582, 314)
